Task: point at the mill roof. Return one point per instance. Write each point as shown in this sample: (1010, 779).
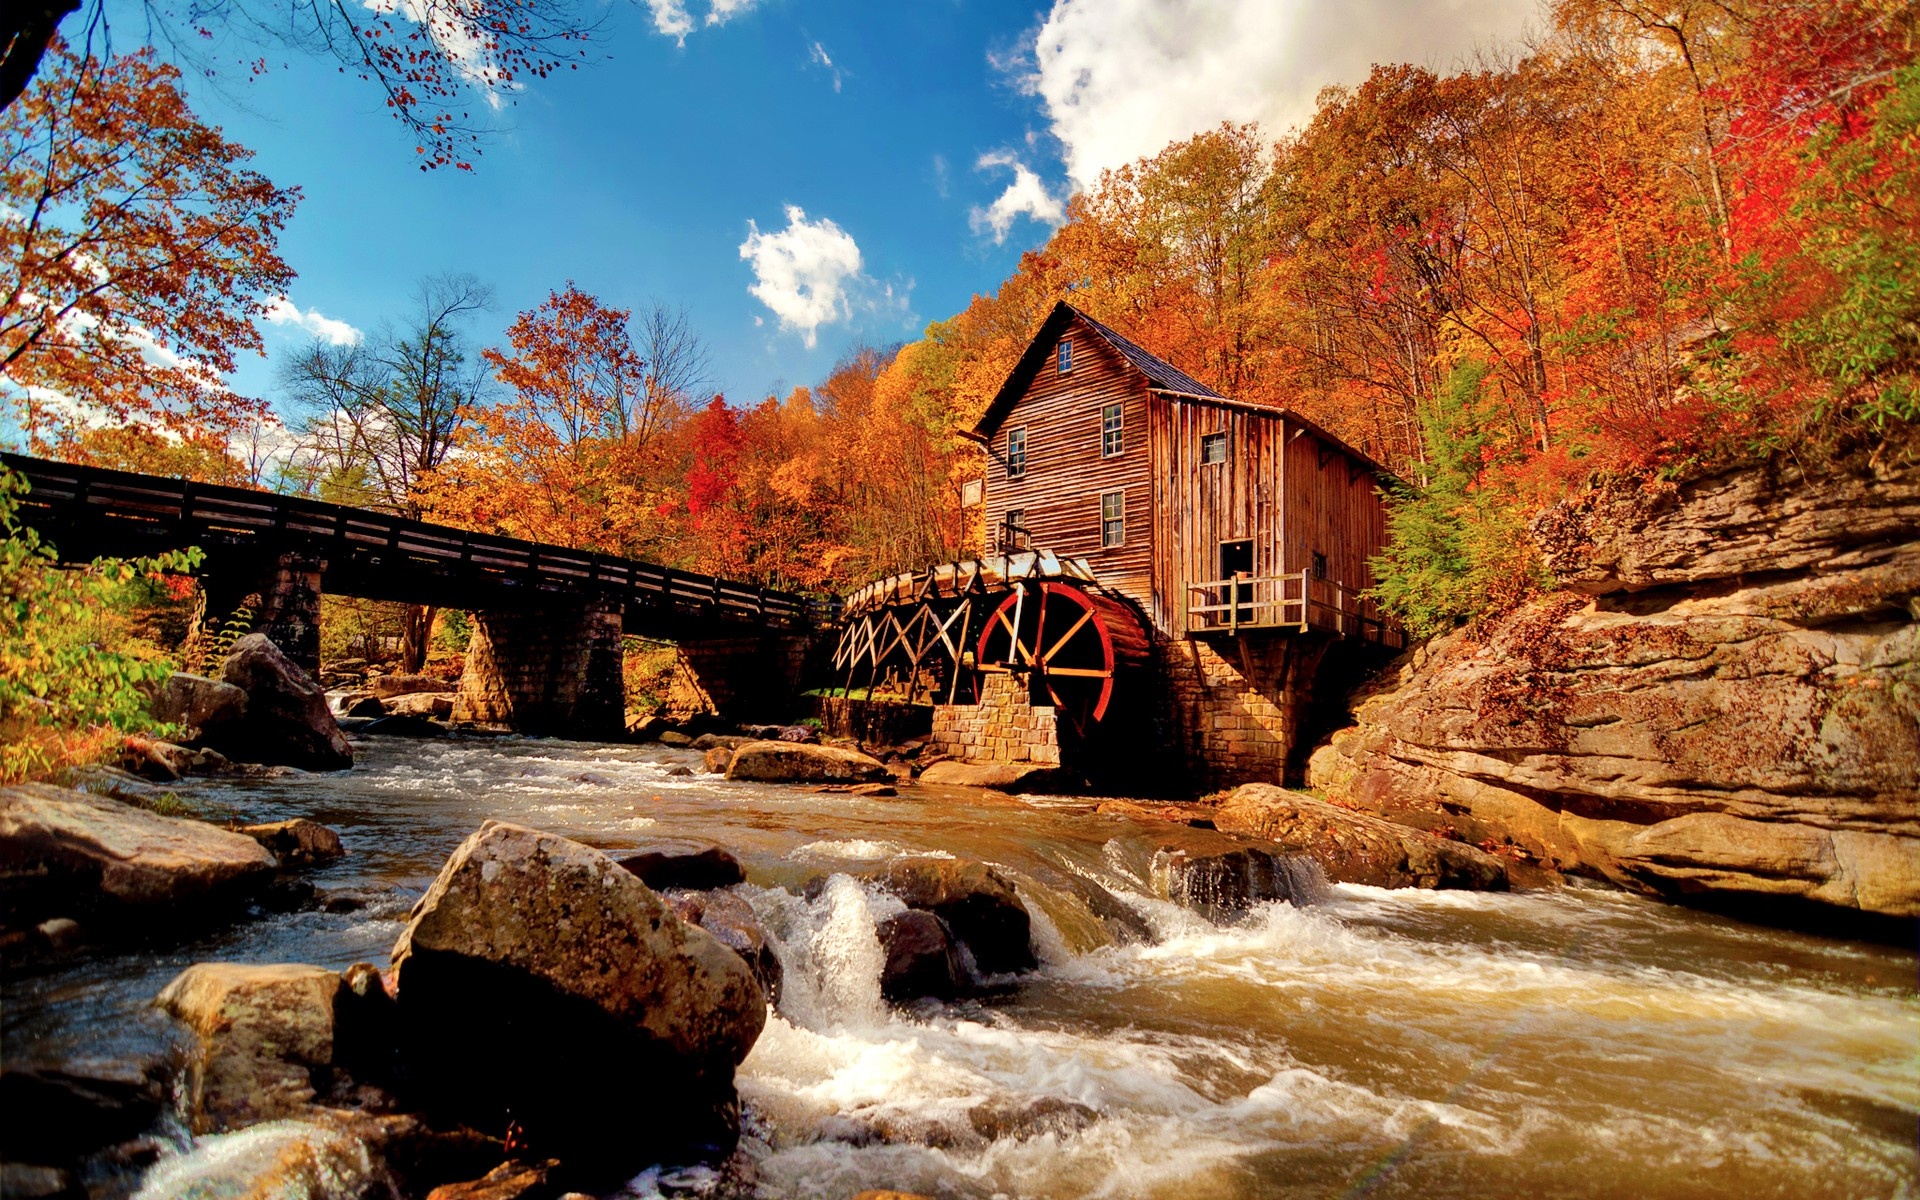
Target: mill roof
(1159, 372)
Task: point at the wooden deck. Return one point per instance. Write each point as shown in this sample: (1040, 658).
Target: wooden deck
(1296, 602)
(89, 511)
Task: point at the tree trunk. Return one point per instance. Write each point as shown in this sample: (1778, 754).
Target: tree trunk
(24, 34)
(416, 633)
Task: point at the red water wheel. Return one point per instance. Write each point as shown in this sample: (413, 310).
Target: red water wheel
(1072, 646)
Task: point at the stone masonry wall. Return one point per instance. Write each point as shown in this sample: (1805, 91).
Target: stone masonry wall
(751, 678)
(1005, 727)
(555, 670)
(1232, 709)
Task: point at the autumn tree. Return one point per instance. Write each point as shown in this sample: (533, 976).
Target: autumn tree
(575, 456)
(376, 417)
(432, 62)
(136, 249)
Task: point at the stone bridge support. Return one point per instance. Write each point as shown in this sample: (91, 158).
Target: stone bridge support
(279, 597)
(1233, 709)
(745, 678)
(553, 671)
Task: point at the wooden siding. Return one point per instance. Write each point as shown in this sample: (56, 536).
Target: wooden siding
(1066, 473)
(1282, 487)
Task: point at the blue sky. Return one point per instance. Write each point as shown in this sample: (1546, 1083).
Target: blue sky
(740, 169)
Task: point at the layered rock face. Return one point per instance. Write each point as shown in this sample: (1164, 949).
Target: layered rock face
(1724, 702)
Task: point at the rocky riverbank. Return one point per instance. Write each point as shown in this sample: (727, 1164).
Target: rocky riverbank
(1721, 705)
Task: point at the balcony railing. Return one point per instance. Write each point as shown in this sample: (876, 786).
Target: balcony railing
(1298, 602)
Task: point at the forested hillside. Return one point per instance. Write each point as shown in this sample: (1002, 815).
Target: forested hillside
(1651, 237)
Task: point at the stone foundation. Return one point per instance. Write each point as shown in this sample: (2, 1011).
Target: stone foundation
(752, 678)
(281, 594)
(1005, 727)
(555, 670)
(1232, 708)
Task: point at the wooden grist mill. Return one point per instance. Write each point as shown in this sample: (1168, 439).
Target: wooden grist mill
(950, 633)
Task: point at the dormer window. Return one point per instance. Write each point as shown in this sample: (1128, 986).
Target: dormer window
(1063, 358)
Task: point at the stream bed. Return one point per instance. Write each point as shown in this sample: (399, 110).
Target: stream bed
(1579, 1042)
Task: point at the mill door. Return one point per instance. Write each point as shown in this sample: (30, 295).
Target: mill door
(1236, 562)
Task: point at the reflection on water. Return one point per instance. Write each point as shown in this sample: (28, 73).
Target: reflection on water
(1575, 1043)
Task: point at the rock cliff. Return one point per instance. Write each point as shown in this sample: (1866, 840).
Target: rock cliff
(1722, 702)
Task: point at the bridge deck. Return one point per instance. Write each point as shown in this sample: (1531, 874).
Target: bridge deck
(90, 511)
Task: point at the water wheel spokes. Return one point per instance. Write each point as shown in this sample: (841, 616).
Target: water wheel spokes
(1055, 633)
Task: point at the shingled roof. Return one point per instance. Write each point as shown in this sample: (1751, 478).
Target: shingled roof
(1160, 374)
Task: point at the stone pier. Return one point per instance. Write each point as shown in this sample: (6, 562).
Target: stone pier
(554, 671)
(279, 597)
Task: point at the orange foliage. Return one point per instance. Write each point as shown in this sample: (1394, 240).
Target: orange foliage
(137, 253)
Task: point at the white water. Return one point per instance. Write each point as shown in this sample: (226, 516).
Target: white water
(1574, 1043)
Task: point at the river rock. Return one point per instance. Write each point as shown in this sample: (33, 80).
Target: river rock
(1225, 884)
(438, 705)
(388, 687)
(260, 1034)
(803, 734)
(359, 704)
(26, 1181)
(162, 762)
(731, 920)
(64, 851)
(719, 741)
(287, 721)
(62, 1114)
(1724, 707)
(197, 704)
(922, 958)
(408, 727)
(794, 762)
(717, 760)
(976, 901)
(308, 1160)
(682, 863)
(674, 738)
(297, 843)
(539, 979)
(511, 1180)
(1000, 777)
(1356, 847)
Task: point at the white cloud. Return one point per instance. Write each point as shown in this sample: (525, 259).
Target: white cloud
(338, 333)
(1026, 196)
(817, 54)
(804, 273)
(1120, 79)
(671, 18)
(456, 35)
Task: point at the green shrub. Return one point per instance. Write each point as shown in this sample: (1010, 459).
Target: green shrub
(72, 669)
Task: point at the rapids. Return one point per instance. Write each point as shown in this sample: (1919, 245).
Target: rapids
(1573, 1043)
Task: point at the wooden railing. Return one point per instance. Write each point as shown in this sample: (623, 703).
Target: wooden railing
(133, 511)
(1297, 601)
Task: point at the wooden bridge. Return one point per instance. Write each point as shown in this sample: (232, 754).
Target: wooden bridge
(538, 604)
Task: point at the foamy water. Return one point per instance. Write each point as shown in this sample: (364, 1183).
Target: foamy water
(1379, 1043)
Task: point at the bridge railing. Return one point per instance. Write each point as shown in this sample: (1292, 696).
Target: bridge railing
(1294, 601)
(183, 512)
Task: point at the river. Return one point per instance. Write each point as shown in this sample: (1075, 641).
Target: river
(1579, 1042)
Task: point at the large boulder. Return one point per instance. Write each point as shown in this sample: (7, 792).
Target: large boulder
(298, 842)
(1001, 777)
(922, 958)
(62, 1114)
(197, 704)
(422, 704)
(683, 863)
(287, 721)
(731, 920)
(260, 1033)
(976, 901)
(1356, 847)
(63, 851)
(1226, 884)
(539, 982)
(794, 762)
(1724, 707)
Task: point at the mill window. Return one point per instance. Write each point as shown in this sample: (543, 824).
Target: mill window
(1319, 565)
(1213, 447)
(1111, 440)
(1113, 518)
(1016, 452)
(1063, 360)
(1014, 535)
